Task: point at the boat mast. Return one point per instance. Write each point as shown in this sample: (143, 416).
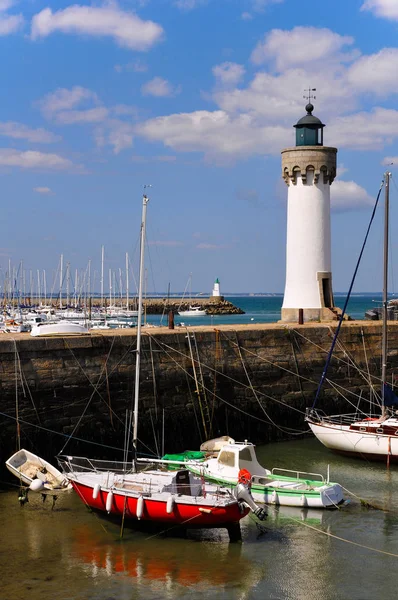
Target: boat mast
(145, 201)
(385, 282)
(127, 281)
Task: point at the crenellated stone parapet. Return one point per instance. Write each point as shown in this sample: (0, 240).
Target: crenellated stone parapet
(319, 160)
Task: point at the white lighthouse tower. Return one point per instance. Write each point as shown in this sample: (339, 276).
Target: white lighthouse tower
(308, 170)
(216, 295)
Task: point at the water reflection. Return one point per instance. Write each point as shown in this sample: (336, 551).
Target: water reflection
(166, 564)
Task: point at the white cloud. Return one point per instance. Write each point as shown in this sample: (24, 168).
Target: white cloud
(390, 161)
(346, 195)
(168, 243)
(260, 5)
(204, 246)
(364, 130)
(42, 190)
(217, 134)
(91, 115)
(10, 24)
(229, 73)
(300, 46)
(31, 159)
(6, 4)
(167, 158)
(187, 5)
(159, 87)
(116, 133)
(23, 132)
(375, 73)
(382, 8)
(65, 99)
(126, 28)
(246, 16)
(137, 66)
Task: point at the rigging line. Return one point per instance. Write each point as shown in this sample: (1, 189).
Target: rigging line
(99, 382)
(235, 381)
(336, 358)
(338, 387)
(323, 377)
(197, 391)
(155, 393)
(206, 404)
(336, 537)
(16, 398)
(254, 391)
(273, 364)
(338, 391)
(189, 389)
(301, 412)
(296, 364)
(65, 435)
(22, 376)
(351, 362)
(364, 374)
(91, 397)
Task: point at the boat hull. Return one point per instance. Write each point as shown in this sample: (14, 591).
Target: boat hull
(329, 497)
(155, 510)
(367, 444)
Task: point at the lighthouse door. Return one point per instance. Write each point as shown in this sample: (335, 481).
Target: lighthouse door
(327, 292)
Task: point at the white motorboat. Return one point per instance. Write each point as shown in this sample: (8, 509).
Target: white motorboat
(38, 474)
(281, 487)
(194, 311)
(61, 328)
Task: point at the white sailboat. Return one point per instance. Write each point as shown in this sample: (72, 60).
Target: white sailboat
(178, 498)
(366, 434)
(192, 311)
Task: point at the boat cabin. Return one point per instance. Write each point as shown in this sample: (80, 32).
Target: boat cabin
(234, 457)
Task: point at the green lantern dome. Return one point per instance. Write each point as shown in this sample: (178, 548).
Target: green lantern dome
(309, 129)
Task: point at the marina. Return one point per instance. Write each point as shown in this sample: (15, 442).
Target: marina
(68, 552)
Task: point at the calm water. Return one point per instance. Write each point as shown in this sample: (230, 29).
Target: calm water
(71, 554)
(267, 309)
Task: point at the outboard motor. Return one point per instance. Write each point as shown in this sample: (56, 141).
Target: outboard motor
(243, 494)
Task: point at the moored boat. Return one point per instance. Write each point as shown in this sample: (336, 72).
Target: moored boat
(35, 472)
(279, 486)
(61, 328)
(136, 492)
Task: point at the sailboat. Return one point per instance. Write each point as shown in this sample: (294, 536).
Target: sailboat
(369, 435)
(136, 491)
(193, 310)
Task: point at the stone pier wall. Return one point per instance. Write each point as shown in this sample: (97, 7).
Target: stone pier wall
(253, 382)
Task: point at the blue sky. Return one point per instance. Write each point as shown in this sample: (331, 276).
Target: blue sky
(196, 98)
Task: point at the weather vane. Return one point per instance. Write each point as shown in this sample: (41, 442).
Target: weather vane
(308, 94)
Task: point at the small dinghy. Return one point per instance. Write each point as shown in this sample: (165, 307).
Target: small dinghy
(38, 474)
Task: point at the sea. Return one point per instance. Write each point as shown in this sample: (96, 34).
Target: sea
(267, 309)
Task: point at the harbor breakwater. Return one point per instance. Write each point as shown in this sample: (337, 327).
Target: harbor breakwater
(249, 381)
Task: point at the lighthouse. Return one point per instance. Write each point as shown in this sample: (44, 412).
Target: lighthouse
(216, 295)
(308, 170)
